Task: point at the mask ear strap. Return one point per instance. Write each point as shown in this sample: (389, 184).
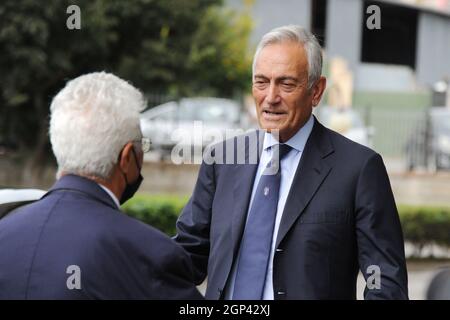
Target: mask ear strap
(135, 159)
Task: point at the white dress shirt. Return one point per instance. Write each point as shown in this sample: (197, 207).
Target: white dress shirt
(289, 166)
(111, 194)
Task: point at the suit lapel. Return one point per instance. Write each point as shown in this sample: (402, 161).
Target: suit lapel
(311, 172)
(243, 178)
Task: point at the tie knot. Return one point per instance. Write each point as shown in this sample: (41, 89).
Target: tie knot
(281, 149)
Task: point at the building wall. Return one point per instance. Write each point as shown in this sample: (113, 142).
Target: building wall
(433, 48)
(344, 31)
(269, 14)
(345, 20)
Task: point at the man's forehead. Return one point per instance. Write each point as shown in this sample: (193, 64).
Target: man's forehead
(287, 56)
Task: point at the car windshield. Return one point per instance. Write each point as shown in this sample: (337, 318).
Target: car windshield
(208, 111)
(164, 112)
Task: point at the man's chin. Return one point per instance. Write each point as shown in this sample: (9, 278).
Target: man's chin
(274, 131)
(270, 128)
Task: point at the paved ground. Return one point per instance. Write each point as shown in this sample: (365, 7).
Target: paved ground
(419, 187)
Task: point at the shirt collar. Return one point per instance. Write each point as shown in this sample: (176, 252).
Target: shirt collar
(297, 141)
(111, 194)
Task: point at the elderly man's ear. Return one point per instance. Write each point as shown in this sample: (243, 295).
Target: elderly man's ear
(318, 90)
(127, 161)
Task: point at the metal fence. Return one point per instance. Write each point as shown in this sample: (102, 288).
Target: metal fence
(393, 128)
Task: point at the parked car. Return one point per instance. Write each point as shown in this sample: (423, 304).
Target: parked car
(11, 199)
(429, 144)
(194, 121)
(347, 122)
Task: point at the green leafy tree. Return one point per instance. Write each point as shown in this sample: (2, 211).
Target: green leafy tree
(175, 46)
(38, 54)
(221, 63)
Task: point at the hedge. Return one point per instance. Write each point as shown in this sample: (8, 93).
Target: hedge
(421, 225)
(424, 225)
(159, 211)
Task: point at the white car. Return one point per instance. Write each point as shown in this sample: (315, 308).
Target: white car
(196, 122)
(347, 122)
(11, 199)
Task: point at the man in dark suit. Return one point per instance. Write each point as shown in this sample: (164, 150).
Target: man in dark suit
(302, 231)
(75, 243)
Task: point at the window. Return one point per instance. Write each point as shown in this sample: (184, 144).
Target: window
(318, 19)
(395, 42)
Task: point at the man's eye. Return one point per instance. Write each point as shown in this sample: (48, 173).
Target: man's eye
(288, 86)
(260, 83)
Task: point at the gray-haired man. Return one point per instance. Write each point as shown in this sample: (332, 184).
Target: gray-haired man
(75, 243)
(306, 231)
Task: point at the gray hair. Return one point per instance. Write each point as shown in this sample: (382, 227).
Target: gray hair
(91, 119)
(299, 35)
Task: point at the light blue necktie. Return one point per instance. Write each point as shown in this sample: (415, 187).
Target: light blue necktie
(257, 239)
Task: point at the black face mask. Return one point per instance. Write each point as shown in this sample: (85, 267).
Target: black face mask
(131, 188)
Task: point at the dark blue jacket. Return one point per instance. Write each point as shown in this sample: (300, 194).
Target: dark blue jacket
(76, 233)
(340, 217)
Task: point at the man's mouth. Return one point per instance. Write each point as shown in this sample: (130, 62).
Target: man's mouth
(273, 115)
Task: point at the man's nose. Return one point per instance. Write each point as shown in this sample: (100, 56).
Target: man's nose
(273, 96)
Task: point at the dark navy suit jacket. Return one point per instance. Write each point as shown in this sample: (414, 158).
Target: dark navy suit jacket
(77, 224)
(340, 217)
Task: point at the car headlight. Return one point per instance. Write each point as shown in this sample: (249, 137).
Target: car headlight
(444, 143)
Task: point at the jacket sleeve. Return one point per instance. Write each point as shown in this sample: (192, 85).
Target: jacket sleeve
(379, 235)
(193, 225)
(174, 278)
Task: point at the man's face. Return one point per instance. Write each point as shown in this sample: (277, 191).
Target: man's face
(280, 89)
